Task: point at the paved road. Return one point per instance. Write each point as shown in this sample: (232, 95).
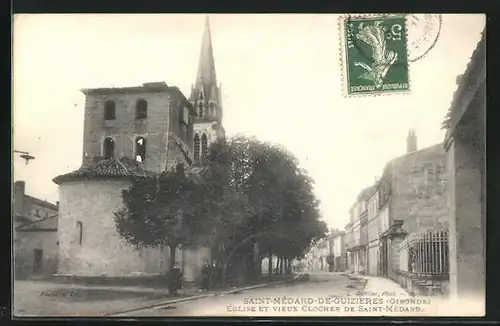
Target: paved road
(278, 300)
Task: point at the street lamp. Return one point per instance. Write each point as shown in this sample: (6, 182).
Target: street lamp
(25, 155)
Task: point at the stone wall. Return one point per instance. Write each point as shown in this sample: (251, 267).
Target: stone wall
(419, 190)
(102, 251)
(25, 244)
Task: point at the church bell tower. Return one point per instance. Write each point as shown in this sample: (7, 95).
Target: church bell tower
(206, 99)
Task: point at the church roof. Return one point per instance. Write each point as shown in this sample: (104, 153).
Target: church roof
(206, 66)
(104, 169)
(206, 78)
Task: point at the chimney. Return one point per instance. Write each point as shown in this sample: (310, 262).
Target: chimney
(411, 142)
(57, 204)
(19, 191)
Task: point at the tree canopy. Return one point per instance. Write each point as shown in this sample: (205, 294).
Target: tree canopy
(158, 211)
(246, 193)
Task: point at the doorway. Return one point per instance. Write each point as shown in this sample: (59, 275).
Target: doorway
(38, 260)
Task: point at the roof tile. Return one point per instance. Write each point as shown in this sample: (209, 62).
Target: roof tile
(112, 168)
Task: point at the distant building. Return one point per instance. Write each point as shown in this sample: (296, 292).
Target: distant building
(338, 250)
(357, 250)
(130, 132)
(35, 234)
(348, 244)
(465, 144)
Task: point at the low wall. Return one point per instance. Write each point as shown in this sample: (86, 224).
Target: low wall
(423, 284)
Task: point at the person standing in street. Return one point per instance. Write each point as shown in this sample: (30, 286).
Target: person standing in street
(205, 277)
(174, 279)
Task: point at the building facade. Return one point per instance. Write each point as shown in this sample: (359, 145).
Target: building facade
(130, 132)
(464, 143)
(412, 193)
(410, 197)
(373, 234)
(358, 251)
(35, 234)
(339, 251)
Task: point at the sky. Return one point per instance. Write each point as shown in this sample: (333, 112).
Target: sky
(281, 82)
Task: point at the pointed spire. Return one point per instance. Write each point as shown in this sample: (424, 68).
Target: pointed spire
(206, 66)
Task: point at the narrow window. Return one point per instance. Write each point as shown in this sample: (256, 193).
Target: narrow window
(212, 109)
(185, 115)
(200, 109)
(141, 109)
(140, 149)
(197, 148)
(204, 145)
(109, 110)
(37, 212)
(79, 226)
(109, 148)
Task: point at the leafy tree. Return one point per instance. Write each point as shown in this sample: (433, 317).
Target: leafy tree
(224, 205)
(277, 209)
(159, 212)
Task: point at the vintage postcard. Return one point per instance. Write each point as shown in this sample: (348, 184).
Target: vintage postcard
(318, 165)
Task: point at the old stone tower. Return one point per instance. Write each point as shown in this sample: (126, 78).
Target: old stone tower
(206, 99)
(152, 124)
(128, 132)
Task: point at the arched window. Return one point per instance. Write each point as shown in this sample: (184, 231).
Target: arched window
(79, 226)
(204, 145)
(140, 149)
(109, 148)
(109, 110)
(141, 109)
(197, 148)
(200, 109)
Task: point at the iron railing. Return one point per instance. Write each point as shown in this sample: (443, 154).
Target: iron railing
(425, 253)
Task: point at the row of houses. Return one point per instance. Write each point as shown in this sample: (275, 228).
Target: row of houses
(409, 198)
(422, 224)
(328, 254)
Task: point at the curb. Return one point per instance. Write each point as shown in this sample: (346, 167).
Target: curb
(196, 297)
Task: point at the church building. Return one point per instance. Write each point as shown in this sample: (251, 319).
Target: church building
(131, 132)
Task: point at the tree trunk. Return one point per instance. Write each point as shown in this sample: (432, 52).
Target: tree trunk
(270, 265)
(278, 265)
(224, 274)
(172, 256)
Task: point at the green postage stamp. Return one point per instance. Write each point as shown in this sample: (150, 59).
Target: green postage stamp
(374, 54)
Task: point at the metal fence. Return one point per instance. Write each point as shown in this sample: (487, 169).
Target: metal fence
(425, 253)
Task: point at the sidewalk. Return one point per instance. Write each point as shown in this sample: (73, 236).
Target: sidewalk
(36, 298)
(382, 284)
(297, 277)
